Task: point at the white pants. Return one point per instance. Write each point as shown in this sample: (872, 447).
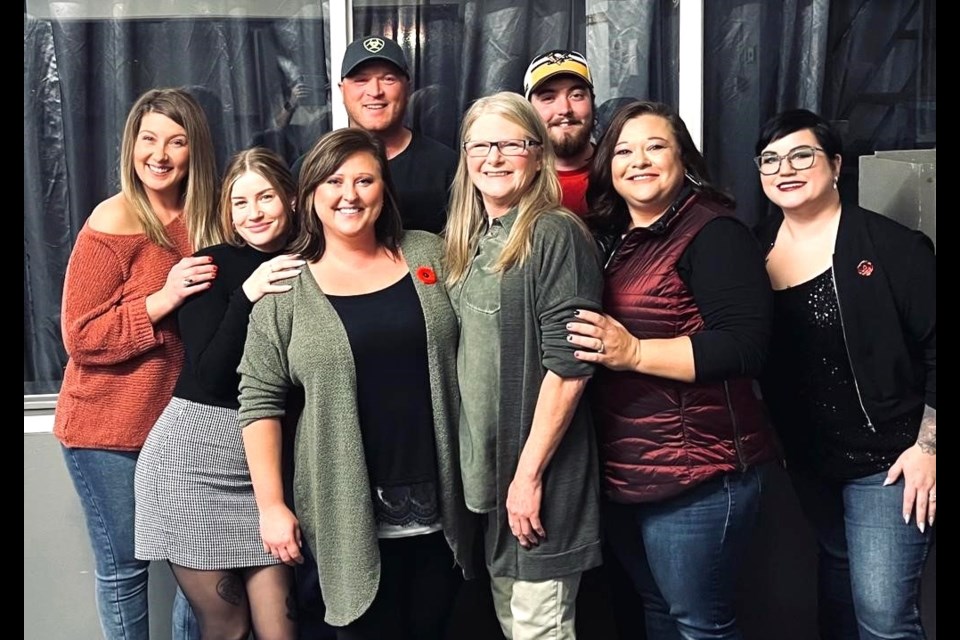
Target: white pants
(540, 610)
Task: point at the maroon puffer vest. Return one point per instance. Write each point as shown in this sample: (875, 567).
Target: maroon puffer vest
(659, 437)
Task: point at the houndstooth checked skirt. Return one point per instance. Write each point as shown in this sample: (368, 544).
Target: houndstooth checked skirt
(194, 499)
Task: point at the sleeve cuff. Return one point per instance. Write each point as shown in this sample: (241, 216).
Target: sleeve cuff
(145, 334)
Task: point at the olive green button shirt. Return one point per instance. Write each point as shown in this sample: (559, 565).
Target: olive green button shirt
(478, 366)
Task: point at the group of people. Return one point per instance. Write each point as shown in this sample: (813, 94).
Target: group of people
(302, 398)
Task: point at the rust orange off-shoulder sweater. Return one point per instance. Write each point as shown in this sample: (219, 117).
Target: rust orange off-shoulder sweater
(122, 369)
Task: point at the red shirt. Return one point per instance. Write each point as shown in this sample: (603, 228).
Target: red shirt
(573, 184)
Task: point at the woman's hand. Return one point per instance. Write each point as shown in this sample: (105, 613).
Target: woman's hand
(264, 279)
(280, 532)
(919, 470)
(606, 341)
(523, 511)
(188, 277)
(191, 275)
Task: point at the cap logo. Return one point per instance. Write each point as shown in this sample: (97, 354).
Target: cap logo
(552, 63)
(557, 57)
(373, 45)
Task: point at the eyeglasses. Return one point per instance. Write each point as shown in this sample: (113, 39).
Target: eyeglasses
(800, 158)
(480, 149)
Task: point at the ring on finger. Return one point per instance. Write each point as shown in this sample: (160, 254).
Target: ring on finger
(187, 282)
(601, 348)
(933, 496)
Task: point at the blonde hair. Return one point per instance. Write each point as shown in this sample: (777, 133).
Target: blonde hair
(272, 168)
(467, 216)
(199, 190)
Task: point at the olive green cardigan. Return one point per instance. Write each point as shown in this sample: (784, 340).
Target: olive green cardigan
(297, 339)
(562, 274)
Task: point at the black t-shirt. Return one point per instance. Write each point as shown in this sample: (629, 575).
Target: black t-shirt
(213, 326)
(388, 339)
(421, 174)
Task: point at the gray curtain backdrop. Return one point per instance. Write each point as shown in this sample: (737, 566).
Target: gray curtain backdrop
(869, 65)
(81, 76)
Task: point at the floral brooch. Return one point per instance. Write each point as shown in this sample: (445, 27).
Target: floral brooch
(426, 275)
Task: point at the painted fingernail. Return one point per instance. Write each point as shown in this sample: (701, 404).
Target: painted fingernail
(921, 526)
(887, 481)
(576, 312)
(906, 518)
(930, 520)
(570, 338)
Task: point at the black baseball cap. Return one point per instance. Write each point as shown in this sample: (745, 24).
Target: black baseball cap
(373, 48)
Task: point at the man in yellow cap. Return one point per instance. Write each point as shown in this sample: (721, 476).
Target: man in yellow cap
(559, 86)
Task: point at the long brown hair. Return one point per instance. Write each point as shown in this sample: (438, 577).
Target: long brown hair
(328, 155)
(199, 188)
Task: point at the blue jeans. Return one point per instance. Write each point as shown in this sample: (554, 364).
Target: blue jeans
(871, 563)
(683, 554)
(104, 482)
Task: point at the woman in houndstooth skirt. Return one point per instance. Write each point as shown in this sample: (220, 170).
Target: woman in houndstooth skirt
(195, 503)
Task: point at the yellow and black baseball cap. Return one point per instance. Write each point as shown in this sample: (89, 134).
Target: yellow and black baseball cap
(554, 63)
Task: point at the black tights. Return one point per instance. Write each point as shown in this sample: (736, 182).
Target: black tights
(418, 585)
(230, 603)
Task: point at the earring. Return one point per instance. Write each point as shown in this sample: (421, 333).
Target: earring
(694, 181)
(836, 179)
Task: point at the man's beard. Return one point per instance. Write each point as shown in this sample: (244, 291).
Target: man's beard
(570, 144)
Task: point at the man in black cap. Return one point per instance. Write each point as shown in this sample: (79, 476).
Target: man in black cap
(375, 83)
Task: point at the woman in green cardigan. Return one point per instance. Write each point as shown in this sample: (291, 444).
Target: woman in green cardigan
(519, 266)
(368, 332)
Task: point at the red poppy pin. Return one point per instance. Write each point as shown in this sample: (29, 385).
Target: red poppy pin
(426, 275)
(865, 268)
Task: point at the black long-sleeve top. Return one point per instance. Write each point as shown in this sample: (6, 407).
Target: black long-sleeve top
(723, 267)
(213, 327)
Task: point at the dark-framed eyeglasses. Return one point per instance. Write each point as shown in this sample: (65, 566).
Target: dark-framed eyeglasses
(800, 159)
(481, 148)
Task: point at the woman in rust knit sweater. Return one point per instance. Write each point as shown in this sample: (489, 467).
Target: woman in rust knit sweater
(126, 276)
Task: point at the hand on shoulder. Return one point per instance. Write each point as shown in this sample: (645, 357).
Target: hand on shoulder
(115, 217)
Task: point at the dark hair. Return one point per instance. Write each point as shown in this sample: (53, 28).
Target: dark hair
(608, 211)
(328, 155)
(272, 168)
(787, 122)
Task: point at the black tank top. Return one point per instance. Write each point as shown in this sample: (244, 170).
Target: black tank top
(815, 406)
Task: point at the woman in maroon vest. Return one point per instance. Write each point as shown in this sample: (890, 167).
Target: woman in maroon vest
(681, 430)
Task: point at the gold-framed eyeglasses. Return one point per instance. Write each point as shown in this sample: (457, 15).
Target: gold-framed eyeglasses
(481, 148)
(800, 159)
